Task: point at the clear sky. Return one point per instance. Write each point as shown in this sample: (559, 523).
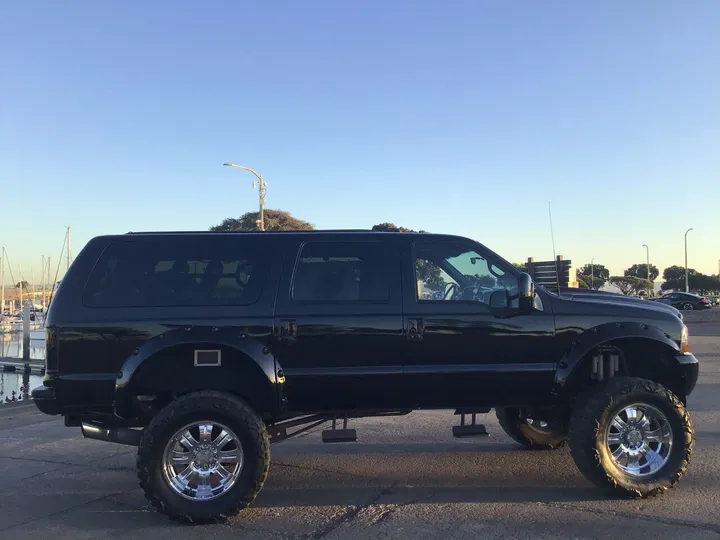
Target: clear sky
(463, 117)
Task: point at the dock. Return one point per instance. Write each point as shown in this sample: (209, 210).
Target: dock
(37, 367)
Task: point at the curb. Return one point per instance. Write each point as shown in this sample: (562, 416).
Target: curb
(17, 407)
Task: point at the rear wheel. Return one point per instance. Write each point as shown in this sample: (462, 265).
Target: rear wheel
(688, 306)
(632, 437)
(532, 433)
(204, 457)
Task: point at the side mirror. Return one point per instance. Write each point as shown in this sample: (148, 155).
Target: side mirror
(526, 292)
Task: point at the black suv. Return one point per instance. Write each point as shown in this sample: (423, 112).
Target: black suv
(203, 348)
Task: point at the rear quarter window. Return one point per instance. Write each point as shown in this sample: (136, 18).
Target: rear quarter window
(178, 271)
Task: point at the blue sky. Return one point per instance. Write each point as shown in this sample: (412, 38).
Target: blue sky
(463, 117)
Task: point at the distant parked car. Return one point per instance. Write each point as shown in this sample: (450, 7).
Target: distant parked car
(685, 301)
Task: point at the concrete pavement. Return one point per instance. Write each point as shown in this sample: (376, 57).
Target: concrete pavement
(407, 477)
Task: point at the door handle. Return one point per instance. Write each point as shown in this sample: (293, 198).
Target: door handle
(288, 330)
(416, 329)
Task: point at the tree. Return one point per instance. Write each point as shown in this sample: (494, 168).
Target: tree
(582, 284)
(481, 281)
(594, 276)
(275, 220)
(697, 282)
(520, 266)
(630, 284)
(677, 272)
(641, 271)
(24, 284)
(390, 227)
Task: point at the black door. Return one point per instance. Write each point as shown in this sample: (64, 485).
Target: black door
(339, 322)
(459, 353)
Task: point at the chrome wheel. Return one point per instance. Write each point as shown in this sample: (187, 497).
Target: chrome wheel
(539, 425)
(639, 439)
(202, 460)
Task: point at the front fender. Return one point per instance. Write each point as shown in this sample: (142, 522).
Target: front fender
(168, 361)
(604, 334)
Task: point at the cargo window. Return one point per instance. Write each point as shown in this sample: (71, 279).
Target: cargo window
(342, 272)
(146, 272)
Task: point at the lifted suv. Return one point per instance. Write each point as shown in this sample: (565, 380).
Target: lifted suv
(203, 348)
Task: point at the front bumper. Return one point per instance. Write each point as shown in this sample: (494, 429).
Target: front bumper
(689, 368)
(45, 400)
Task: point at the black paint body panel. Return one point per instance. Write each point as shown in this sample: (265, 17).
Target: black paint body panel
(334, 356)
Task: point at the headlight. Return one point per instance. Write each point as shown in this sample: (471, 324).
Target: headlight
(684, 340)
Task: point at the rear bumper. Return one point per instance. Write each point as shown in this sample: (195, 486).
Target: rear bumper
(689, 371)
(45, 400)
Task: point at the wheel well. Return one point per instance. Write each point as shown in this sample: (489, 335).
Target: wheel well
(170, 373)
(638, 357)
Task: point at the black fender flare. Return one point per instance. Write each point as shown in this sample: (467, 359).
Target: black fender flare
(603, 334)
(258, 355)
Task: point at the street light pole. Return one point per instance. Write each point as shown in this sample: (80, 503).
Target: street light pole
(647, 254)
(592, 273)
(687, 287)
(260, 182)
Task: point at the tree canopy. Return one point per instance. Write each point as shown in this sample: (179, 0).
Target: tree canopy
(390, 227)
(24, 284)
(594, 276)
(630, 284)
(275, 220)
(676, 272)
(697, 282)
(640, 270)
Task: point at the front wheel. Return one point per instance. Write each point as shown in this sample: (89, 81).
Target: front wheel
(532, 433)
(632, 437)
(203, 458)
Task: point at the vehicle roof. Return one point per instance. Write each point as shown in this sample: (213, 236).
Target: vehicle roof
(312, 232)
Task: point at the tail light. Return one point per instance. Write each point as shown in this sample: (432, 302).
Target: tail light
(52, 354)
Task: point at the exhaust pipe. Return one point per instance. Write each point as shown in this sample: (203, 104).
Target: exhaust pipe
(128, 436)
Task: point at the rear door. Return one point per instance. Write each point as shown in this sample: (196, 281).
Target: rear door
(339, 323)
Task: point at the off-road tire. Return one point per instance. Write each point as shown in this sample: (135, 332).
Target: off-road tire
(589, 422)
(205, 405)
(515, 424)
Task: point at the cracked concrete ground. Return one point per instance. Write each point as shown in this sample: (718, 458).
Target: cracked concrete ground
(407, 477)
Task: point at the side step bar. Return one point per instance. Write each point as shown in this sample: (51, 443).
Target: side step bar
(472, 429)
(334, 435)
(128, 436)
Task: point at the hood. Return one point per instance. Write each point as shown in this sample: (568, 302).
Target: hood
(615, 299)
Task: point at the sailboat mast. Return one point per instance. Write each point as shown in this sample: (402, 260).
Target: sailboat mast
(68, 248)
(2, 282)
(42, 282)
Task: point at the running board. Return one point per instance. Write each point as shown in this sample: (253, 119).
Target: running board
(334, 435)
(473, 429)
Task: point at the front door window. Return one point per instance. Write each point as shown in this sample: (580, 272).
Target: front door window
(453, 272)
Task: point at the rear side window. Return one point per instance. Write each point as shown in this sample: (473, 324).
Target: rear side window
(343, 272)
(178, 271)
